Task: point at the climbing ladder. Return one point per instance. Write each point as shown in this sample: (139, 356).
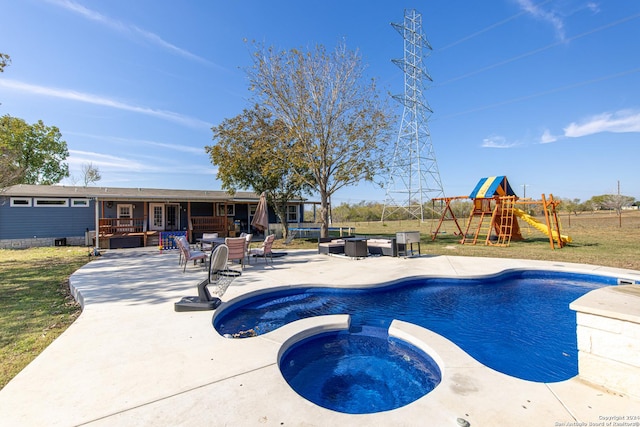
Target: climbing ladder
(553, 222)
(481, 209)
(502, 222)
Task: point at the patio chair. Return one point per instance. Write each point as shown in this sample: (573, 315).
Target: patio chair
(248, 238)
(265, 249)
(187, 253)
(180, 242)
(219, 277)
(237, 249)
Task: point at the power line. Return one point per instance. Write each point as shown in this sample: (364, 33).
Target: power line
(539, 94)
(538, 50)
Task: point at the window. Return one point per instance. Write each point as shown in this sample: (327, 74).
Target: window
(21, 202)
(292, 213)
(125, 211)
(125, 215)
(231, 210)
(51, 203)
(79, 203)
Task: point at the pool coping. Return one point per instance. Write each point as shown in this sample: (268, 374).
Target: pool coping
(130, 359)
(613, 302)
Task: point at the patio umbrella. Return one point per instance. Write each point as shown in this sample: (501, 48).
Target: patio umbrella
(260, 218)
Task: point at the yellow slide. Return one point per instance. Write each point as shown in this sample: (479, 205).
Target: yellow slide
(538, 225)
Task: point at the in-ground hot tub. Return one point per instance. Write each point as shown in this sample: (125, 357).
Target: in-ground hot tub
(358, 372)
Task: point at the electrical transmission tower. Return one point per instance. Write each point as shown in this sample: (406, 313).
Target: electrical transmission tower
(414, 177)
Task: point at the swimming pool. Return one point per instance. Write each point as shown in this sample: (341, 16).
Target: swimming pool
(517, 322)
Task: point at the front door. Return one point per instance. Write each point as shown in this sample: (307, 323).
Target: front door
(164, 217)
(157, 216)
(172, 218)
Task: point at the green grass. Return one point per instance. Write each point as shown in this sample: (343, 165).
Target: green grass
(35, 304)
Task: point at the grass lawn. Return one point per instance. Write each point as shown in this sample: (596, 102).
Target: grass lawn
(35, 304)
(36, 307)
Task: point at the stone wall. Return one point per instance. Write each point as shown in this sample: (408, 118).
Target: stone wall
(39, 242)
(608, 322)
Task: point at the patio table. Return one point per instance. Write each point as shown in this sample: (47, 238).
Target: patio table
(213, 241)
(356, 247)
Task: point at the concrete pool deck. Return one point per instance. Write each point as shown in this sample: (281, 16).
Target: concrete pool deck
(130, 359)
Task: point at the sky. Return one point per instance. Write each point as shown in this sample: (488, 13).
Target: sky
(546, 92)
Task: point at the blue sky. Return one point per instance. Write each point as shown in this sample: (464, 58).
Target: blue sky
(545, 92)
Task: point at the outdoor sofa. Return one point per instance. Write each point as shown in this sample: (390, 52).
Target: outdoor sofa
(332, 245)
(377, 245)
(382, 246)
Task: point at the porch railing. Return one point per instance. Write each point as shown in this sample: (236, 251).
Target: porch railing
(121, 225)
(210, 224)
(199, 224)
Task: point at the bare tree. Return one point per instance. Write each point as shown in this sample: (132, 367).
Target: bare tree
(617, 202)
(338, 121)
(90, 174)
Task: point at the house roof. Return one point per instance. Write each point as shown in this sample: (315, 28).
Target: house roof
(115, 193)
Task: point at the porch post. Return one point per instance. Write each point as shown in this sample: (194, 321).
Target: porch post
(145, 221)
(97, 209)
(189, 226)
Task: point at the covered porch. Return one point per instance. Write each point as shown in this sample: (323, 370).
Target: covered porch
(120, 226)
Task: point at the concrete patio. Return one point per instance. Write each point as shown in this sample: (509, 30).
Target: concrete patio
(130, 359)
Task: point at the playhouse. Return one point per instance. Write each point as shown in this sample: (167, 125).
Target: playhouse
(495, 213)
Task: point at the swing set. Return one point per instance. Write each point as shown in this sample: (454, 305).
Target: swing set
(495, 213)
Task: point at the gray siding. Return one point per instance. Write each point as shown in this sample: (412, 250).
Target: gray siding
(55, 222)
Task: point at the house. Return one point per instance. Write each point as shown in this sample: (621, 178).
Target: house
(47, 215)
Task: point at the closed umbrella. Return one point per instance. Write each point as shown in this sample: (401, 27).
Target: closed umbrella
(260, 219)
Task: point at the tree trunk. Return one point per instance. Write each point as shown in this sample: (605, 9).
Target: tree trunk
(324, 215)
(281, 213)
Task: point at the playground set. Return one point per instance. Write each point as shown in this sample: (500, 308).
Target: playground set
(494, 214)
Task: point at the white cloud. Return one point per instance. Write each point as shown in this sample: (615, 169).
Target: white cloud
(78, 158)
(128, 29)
(619, 122)
(112, 164)
(497, 141)
(134, 141)
(99, 100)
(538, 12)
(593, 7)
(116, 170)
(547, 137)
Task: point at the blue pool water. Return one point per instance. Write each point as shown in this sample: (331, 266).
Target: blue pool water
(359, 373)
(518, 323)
